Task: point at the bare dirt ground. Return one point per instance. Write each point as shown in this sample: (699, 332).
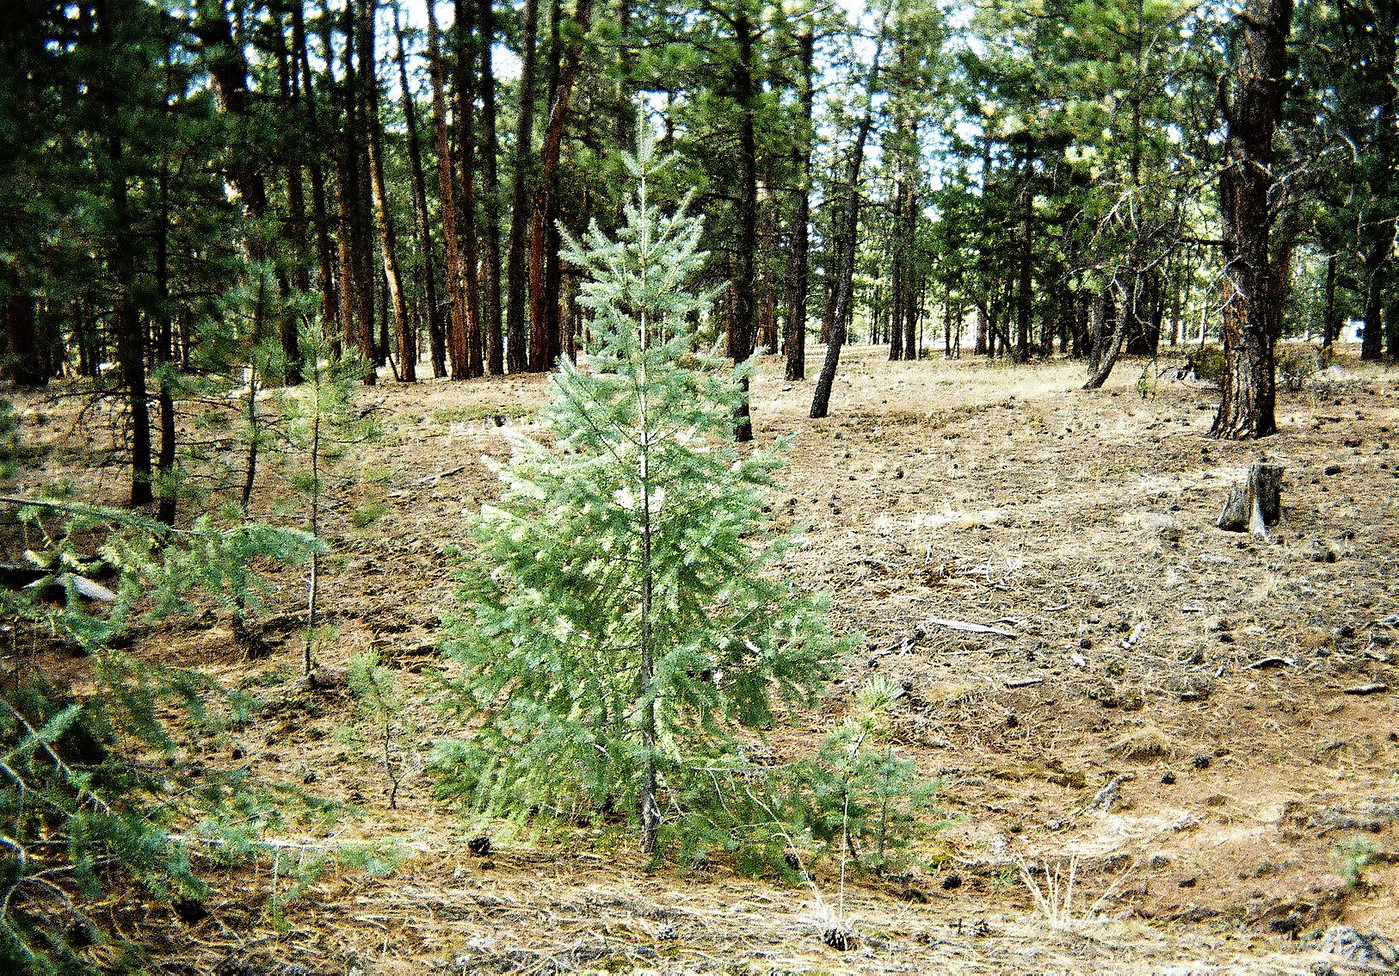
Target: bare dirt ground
(1170, 712)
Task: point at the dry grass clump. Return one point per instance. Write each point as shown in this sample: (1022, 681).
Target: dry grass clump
(1147, 742)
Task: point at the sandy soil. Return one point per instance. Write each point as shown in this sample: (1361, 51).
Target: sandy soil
(1170, 712)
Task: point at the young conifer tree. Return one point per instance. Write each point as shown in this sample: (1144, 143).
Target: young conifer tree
(626, 620)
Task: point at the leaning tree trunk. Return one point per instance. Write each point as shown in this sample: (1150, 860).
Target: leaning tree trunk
(1251, 313)
(821, 401)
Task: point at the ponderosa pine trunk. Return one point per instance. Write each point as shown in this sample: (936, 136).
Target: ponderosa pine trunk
(464, 29)
(544, 313)
(446, 185)
(437, 346)
(743, 323)
(1252, 318)
(821, 401)
(516, 280)
(388, 238)
(795, 338)
(330, 305)
(492, 323)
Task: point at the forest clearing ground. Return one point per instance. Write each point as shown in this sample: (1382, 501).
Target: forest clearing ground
(1203, 673)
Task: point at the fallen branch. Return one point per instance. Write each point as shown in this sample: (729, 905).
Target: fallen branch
(970, 628)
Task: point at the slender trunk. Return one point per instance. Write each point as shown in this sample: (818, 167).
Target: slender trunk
(795, 339)
(313, 582)
(1024, 304)
(821, 402)
(437, 349)
(388, 239)
(464, 29)
(517, 358)
(121, 268)
(1377, 226)
(743, 323)
(346, 187)
(898, 274)
(492, 320)
(164, 354)
(544, 315)
(289, 88)
(330, 306)
(360, 73)
(456, 298)
(1328, 312)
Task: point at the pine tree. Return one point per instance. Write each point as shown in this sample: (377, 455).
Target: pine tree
(626, 621)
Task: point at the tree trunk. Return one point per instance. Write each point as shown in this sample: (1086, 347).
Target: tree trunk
(821, 401)
(897, 274)
(794, 341)
(544, 314)
(464, 29)
(1251, 318)
(516, 339)
(1329, 326)
(437, 348)
(490, 192)
(1024, 297)
(330, 305)
(289, 85)
(388, 239)
(446, 183)
(121, 268)
(24, 362)
(1377, 226)
(358, 68)
(743, 323)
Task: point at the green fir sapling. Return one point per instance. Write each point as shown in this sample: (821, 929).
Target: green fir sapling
(626, 622)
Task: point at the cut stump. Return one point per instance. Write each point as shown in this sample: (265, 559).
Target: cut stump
(1256, 505)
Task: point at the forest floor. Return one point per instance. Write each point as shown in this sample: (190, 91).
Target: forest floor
(1172, 713)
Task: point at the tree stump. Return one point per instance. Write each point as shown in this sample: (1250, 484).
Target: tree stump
(1256, 505)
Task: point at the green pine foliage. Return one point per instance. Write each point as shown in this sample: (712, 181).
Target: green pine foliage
(626, 620)
(318, 422)
(858, 796)
(9, 440)
(102, 790)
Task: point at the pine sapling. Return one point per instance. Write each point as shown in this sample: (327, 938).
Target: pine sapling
(626, 620)
(321, 419)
